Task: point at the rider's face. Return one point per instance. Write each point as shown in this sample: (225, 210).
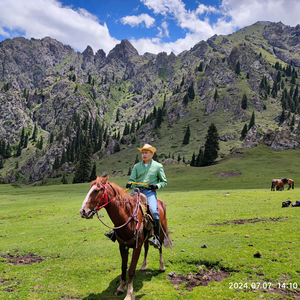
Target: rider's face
(147, 156)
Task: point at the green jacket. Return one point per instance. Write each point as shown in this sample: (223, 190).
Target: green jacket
(152, 174)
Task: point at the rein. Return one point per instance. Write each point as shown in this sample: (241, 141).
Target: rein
(104, 195)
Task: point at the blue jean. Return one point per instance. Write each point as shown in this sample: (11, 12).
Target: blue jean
(151, 199)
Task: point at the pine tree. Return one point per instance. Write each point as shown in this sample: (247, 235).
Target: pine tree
(293, 121)
(293, 80)
(252, 121)
(193, 160)
(51, 138)
(191, 91)
(185, 100)
(238, 68)
(136, 159)
(83, 170)
(94, 172)
(244, 131)
(282, 117)
(211, 146)
(199, 159)
(56, 163)
(117, 147)
(19, 150)
(7, 151)
(1, 163)
(244, 102)
(35, 133)
(216, 95)
(40, 143)
(129, 171)
(117, 116)
(63, 157)
(64, 179)
(22, 140)
(186, 138)
(26, 141)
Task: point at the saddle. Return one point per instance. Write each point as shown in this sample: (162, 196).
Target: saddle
(148, 220)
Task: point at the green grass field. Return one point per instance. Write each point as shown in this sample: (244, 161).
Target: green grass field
(234, 217)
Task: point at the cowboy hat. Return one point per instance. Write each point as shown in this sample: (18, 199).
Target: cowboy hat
(148, 147)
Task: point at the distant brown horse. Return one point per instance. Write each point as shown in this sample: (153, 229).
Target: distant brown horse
(278, 184)
(123, 209)
(288, 181)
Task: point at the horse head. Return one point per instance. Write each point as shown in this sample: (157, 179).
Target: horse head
(96, 197)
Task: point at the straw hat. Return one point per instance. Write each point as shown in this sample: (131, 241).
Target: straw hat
(148, 147)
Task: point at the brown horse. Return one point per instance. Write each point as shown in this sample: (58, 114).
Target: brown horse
(277, 184)
(288, 181)
(123, 210)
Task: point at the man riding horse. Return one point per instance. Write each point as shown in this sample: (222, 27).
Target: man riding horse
(151, 173)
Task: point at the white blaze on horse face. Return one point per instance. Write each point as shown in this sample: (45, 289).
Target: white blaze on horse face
(87, 197)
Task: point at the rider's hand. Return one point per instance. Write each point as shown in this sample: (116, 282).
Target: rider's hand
(153, 186)
(128, 185)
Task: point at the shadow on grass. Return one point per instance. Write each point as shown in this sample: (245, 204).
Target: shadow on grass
(138, 281)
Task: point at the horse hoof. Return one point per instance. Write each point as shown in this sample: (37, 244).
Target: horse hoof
(118, 293)
(162, 270)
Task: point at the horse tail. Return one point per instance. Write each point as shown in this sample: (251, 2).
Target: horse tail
(272, 185)
(293, 184)
(167, 240)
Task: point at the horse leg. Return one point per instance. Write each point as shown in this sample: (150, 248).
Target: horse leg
(124, 254)
(161, 240)
(145, 264)
(161, 261)
(135, 257)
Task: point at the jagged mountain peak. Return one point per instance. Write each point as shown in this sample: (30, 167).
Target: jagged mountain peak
(123, 51)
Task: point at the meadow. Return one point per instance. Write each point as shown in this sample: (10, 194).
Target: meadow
(47, 251)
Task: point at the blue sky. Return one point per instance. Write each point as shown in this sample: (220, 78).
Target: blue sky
(150, 25)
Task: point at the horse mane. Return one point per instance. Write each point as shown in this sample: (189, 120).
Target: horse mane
(125, 200)
(284, 180)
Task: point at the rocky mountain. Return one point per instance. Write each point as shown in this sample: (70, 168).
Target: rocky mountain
(129, 99)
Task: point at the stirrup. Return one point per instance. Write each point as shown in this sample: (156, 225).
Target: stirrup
(154, 242)
(111, 235)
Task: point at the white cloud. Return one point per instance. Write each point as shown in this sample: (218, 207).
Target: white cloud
(136, 20)
(164, 31)
(38, 19)
(165, 25)
(243, 13)
(232, 14)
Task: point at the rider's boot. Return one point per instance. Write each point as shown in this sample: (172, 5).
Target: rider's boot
(111, 235)
(154, 241)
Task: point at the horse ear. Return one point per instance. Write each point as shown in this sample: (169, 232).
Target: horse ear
(106, 178)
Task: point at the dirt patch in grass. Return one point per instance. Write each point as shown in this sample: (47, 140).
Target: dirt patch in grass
(228, 174)
(293, 293)
(18, 260)
(199, 279)
(244, 221)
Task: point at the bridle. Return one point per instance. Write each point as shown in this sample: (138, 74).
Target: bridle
(104, 196)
